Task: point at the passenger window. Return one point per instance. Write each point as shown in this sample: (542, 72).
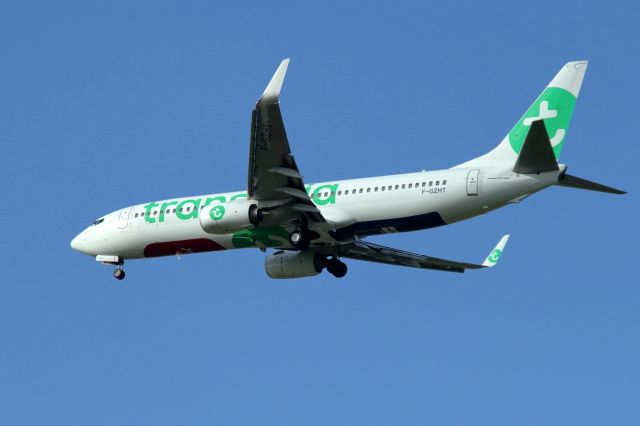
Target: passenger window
(410, 185)
(339, 192)
(375, 189)
(444, 182)
(397, 186)
(382, 188)
(437, 182)
(389, 187)
(403, 186)
(361, 190)
(368, 189)
(423, 184)
(430, 183)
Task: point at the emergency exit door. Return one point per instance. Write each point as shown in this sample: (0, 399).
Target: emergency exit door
(472, 182)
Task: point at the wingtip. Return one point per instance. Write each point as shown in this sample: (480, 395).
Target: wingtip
(496, 253)
(272, 92)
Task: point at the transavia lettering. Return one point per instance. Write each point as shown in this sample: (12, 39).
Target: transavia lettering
(321, 195)
(185, 209)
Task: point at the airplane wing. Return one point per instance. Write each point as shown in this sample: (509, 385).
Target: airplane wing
(274, 178)
(371, 252)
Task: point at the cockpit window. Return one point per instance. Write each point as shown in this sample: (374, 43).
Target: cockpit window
(98, 222)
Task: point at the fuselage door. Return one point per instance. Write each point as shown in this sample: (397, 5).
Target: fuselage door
(123, 219)
(472, 182)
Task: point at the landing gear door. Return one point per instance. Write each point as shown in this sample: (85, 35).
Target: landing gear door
(472, 182)
(123, 219)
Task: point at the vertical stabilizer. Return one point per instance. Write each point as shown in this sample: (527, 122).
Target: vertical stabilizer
(554, 106)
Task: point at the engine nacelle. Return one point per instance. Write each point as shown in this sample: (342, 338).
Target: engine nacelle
(230, 217)
(293, 264)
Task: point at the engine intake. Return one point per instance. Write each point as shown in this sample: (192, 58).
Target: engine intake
(293, 264)
(229, 217)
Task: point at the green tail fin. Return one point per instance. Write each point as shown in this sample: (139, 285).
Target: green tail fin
(554, 105)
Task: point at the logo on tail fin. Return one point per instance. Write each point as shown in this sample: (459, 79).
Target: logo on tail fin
(555, 107)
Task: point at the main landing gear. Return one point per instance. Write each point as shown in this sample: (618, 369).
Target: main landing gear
(336, 267)
(299, 239)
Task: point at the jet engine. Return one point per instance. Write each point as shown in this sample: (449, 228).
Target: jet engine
(229, 217)
(293, 264)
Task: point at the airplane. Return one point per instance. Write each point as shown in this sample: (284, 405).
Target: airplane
(311, 227)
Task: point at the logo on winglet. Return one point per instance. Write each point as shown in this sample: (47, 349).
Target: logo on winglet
(494, 256)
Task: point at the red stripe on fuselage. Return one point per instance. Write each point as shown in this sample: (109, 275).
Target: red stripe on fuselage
(171, 248)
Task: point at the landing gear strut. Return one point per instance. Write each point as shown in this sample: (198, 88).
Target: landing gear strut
(336, 267)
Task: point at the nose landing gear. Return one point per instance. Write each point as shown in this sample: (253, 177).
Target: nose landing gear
(118, 273)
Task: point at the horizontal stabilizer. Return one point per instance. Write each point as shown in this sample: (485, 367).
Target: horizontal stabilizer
(537, 154)
(579, 183)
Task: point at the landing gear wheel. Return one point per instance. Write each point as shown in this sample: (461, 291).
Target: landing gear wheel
(118, 274)
(299, 239)
(336, 268)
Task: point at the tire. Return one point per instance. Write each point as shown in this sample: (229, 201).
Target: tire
(119, 274)
(336, 268)
(299, 240)
(296, 238)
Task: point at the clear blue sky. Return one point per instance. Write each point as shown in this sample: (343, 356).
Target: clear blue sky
(107, 104)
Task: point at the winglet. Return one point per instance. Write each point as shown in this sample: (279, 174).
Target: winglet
(272, 92)
(494, 256)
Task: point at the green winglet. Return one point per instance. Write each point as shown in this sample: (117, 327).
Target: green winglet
(495, 254)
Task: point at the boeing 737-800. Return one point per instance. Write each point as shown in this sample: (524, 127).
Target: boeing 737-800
(313, 226)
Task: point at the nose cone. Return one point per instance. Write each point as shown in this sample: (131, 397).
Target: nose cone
(76, 243)
(81, 243)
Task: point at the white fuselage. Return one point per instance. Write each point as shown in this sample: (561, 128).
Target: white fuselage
(352, 208)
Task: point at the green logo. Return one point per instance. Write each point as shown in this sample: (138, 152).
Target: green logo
(217, 212)
(494, 256)
(555, 107)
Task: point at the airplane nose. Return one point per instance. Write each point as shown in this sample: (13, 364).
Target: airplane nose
(76, 243)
